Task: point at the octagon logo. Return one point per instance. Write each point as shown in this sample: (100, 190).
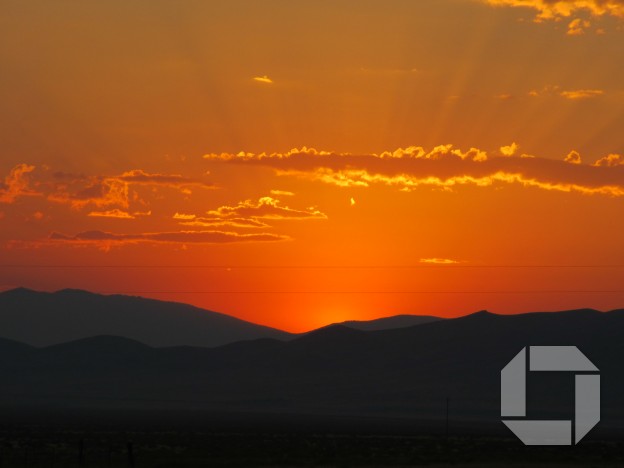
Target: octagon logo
(550, 359)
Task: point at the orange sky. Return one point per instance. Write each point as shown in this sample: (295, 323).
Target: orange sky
(300, 163)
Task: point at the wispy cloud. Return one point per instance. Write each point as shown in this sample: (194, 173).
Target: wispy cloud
(265, 208)
(104, 239)
(16, 184)
(117, 213)
(509, 150)
(263, 79)
(282, 193)
(249, 214)
(439, 261)
(229, 222)
(572, 94)
(576, 94)
(556, 9)
(184, 216)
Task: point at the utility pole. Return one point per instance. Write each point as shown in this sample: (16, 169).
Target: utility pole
(448, 401)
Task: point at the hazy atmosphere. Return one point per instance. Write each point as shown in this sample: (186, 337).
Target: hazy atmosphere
(296, 164)
(311, 233)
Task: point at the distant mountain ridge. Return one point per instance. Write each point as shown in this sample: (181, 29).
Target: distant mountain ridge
(43, 319)
(387, 323)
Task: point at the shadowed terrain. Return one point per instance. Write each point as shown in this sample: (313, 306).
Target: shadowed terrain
(398, 373)
(336, 396)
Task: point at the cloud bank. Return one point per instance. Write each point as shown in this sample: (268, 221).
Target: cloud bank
(107, 239)
(443, 167)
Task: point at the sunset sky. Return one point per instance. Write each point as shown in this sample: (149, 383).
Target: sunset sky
(297, 163)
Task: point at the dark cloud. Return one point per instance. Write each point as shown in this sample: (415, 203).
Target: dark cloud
(79, 190)
(99, 193)
(179, 237)
(138, 176)
(442, 167)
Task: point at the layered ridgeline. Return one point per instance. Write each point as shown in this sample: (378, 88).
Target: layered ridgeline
(404, 372)
(43, 319)
(388, 323)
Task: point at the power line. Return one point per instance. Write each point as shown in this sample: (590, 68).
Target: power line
(312, 267)
(613, 291)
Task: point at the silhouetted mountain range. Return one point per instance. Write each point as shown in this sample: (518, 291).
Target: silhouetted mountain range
(42, 319)
(403, 372)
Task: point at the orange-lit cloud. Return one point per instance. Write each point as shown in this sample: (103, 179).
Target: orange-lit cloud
(572, 94)
(117, 213)
(582, 93)
(555, 9)
(184, 216)
(231, 222)
(443, 167)
(248, 214)
(410, 152)
(179, 237)
(242, 155)
(282, 193)
(611, 160)
(16, 184)
(509, 150)
(573, 157)
(438, 261)
(263, 79)
(577, 27)
(264, 208)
